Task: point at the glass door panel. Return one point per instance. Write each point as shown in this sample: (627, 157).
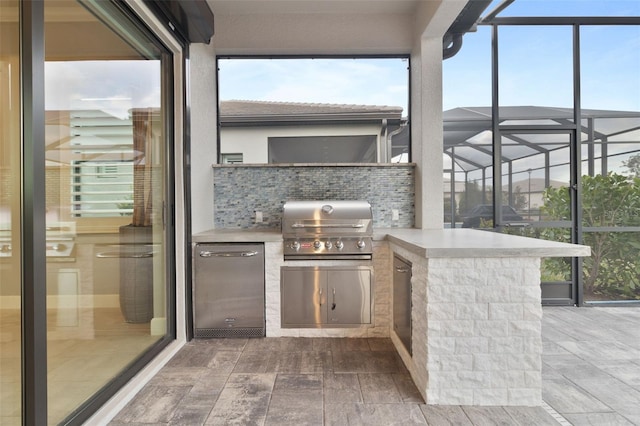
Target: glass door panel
(10, 261)
(537, 202)
(475, 199)
(611, 164)
(611, 226)
(105, 191)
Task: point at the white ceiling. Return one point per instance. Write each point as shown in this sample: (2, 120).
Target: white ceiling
(340, 7)
(308, 27)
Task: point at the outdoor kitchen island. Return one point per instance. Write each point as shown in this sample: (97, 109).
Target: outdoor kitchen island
(475, 308)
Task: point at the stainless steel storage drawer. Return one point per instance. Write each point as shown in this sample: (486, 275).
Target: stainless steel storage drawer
(325, 296)
(402, 300)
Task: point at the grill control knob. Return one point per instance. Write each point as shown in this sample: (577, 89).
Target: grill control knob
(328, 245)
(361, 244)
(317, 244)
(295, 245)
(339, 245)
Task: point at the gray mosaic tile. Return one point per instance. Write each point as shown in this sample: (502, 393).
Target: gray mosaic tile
(240, 190)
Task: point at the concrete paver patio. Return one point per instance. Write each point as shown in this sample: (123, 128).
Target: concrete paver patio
(591, 376)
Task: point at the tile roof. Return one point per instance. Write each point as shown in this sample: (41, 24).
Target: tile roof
(241, 108)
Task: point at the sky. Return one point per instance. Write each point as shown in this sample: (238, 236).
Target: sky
(371, 81)
(569, 8)
(535, 67)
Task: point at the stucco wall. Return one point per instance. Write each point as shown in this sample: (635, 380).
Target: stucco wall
(203, 130)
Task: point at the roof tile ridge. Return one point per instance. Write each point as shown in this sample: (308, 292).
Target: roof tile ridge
(475, 110)
(318, 104)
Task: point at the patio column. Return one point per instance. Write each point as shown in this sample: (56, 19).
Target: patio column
(427, 139)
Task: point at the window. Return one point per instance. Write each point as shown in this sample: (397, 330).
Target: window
(102, 167)
(231, 158)
(323, 149)
(314, 110)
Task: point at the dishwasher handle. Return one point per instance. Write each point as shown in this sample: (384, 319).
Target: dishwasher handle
(206, 253)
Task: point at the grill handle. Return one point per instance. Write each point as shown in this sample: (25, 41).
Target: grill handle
(228, 253)
(333, 304)
(329, 225)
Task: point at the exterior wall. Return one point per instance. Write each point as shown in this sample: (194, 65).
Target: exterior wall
(252, 142)
(239, 191)
(203, 134)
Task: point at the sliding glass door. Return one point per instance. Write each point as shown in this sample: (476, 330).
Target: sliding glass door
(87, 253)
(10, 213)
(105, 109)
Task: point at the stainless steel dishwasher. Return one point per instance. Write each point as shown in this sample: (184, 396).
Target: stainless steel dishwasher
(228, 293)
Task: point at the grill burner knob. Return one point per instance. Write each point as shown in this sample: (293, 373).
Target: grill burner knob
(339, 245)
(327, 208)
(295, 245)
(328, 245)
(361, 244)
(317, 244)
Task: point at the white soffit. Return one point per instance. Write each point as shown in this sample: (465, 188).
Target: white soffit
(435, 18)
(328, 26)
(279, 7)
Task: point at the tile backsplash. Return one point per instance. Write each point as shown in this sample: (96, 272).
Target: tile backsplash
(241, 190)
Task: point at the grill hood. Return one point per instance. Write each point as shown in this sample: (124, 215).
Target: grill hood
(327, 218)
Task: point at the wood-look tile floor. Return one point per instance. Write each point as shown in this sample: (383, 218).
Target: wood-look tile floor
(591, 376)
(591, 364)
(299, 381)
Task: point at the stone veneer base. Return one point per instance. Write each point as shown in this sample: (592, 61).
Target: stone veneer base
(476, 330)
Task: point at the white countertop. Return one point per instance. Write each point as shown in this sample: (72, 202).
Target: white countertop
(238, 236)
(466, 243)
(442, 243)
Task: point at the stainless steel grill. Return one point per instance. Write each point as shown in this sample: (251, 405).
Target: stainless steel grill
(327, 230)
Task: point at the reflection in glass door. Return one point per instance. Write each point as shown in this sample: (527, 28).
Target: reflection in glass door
(536, 190)
(10, 260)
(105, 192)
